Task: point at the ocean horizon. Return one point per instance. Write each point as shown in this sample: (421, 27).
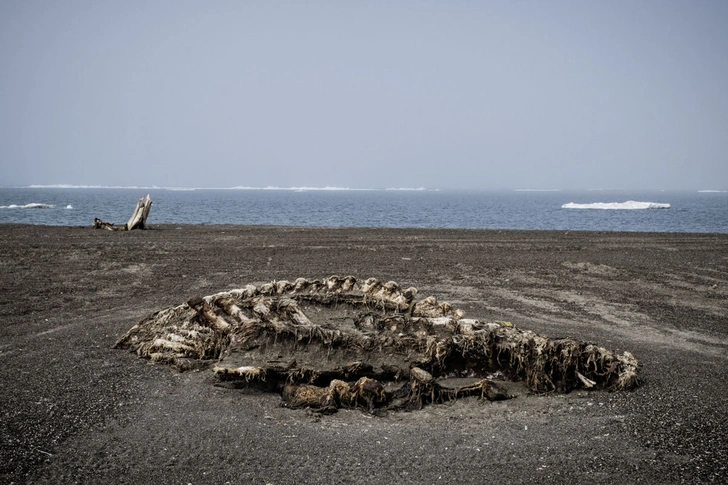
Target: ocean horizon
(704, 210)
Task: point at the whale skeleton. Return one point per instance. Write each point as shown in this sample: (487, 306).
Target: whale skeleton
(337, 343)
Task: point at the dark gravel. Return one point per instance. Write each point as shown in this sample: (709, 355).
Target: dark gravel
(72, 410)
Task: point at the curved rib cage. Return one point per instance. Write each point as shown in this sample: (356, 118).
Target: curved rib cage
(336, 342)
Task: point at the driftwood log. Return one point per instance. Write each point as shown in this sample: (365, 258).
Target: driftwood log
(336, 342)
(138, 219)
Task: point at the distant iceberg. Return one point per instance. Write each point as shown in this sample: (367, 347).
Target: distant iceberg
(69, 186)
(408, 189)
(33, 205)
(294, 189)
(331, 188)
(536, 190)
(629, 205)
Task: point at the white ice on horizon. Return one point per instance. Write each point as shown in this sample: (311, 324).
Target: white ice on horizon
(32, 205)
(409, 189)
(237, 187)
(628, 205)
(536, 190)
(69, 186)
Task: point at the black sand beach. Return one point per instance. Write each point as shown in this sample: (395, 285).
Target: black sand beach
(74, 410)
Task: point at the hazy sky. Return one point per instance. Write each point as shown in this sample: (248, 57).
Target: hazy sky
(471, 94)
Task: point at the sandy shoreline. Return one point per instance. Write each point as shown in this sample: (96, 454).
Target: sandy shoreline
(74, 410)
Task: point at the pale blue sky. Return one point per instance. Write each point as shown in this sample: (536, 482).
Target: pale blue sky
(450, 94)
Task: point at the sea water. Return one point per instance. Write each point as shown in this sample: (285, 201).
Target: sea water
(603, 210)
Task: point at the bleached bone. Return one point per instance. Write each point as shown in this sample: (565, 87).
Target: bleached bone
(332, 343)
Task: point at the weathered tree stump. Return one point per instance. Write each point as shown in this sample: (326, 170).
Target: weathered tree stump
(333, 343)
(137, 220)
